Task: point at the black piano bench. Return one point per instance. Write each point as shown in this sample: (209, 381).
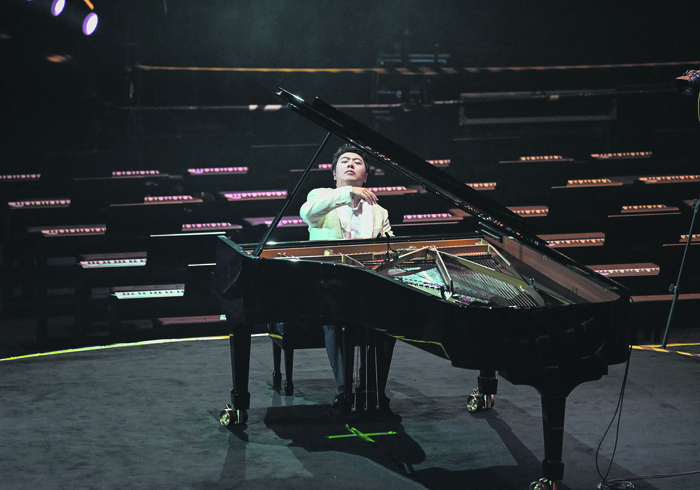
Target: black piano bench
(287, 337)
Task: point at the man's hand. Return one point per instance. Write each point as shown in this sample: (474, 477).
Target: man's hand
(365, 194)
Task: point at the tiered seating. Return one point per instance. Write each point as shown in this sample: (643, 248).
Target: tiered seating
(87, 223)
(107, 232)
(43, 225)
(623, 214)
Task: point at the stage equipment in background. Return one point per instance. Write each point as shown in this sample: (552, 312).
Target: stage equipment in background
(71, 12)
(689, 83)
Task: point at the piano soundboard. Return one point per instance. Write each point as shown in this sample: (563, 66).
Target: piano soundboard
(465, 271)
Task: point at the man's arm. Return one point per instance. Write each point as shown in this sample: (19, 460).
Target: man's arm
(320, 202)
(381, 219)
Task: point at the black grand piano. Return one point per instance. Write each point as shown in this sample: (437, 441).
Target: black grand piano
(498, 300)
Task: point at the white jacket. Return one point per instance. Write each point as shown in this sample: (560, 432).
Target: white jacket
(320, 212)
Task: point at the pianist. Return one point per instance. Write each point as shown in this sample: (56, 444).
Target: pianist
(348, 211)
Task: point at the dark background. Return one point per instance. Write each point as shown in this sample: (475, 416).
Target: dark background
(175, 84)
(82, 103)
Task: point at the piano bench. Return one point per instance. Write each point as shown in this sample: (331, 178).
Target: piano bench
(287, 337)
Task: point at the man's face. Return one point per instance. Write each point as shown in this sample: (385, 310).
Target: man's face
(350, 170)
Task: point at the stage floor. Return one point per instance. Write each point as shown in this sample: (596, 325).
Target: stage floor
(145, 415)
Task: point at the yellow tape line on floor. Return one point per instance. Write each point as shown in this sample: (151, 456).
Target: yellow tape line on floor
(657, 348)
(113, 346)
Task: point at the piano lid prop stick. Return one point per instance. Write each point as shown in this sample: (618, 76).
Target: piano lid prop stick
(290, 198)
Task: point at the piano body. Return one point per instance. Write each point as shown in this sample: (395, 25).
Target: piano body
(497, 300)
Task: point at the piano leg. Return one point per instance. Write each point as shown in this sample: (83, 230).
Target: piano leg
(488, 382)
(484, 396)
(553, 411)
(554, 386)
(288, 372)
(236, 412)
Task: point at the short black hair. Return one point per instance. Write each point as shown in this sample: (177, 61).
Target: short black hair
(348, 148)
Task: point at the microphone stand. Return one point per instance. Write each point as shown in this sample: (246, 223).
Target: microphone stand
(390, 254)
(676, 287)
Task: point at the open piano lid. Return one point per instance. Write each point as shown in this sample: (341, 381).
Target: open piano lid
(491, 215)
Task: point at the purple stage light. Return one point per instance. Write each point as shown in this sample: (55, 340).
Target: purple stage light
(57, 7)
(90, 23)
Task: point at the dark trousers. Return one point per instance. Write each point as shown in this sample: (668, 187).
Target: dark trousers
(375, 352)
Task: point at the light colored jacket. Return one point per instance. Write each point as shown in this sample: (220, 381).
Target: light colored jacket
(320, 212)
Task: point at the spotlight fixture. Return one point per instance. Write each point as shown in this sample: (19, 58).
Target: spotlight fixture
(90, 23)
(77, 13)
(689, 83)
(85, 10)
(57, 7)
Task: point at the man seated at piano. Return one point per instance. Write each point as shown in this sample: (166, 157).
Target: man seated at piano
(349, 211)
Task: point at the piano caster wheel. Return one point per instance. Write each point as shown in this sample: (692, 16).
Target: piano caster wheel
(543, 484)
(476, 401)
(230, 416)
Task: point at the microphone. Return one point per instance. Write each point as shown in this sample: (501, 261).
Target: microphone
(390, 254)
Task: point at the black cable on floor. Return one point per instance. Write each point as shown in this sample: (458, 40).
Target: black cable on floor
(630, 479)
(618, 414)
(625, 483)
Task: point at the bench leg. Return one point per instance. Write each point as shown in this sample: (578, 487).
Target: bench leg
(276, 362)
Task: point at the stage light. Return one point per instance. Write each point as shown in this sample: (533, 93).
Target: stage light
(90, 23)
(689, 83)
(57, 7)
(78, 13)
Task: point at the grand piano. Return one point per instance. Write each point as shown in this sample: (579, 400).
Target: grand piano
(497, 300)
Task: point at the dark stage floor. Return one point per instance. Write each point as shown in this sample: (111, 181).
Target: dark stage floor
(146, 416)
